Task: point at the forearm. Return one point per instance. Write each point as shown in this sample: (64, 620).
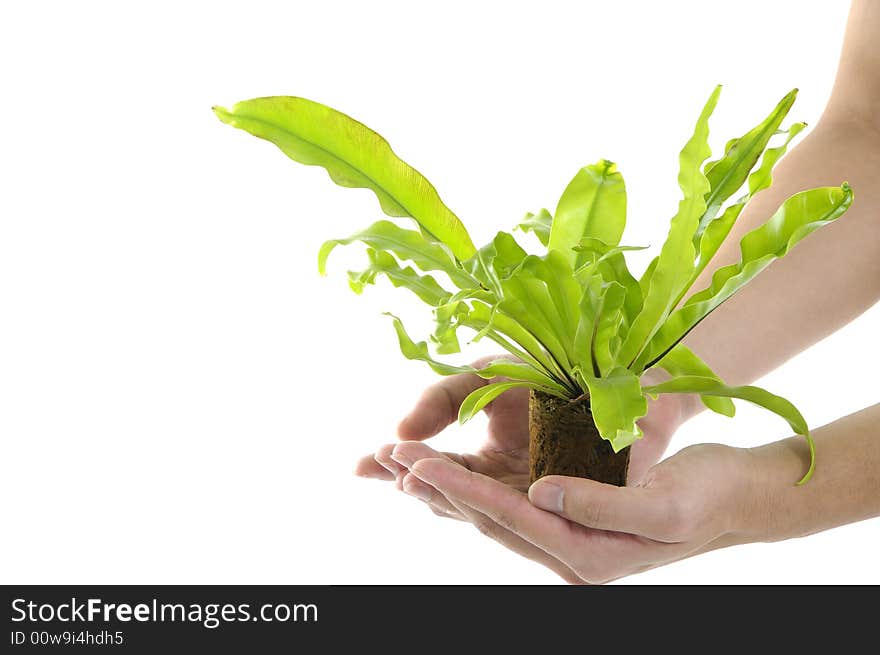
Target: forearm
(829, 279)
(834, 275)
(845, 487)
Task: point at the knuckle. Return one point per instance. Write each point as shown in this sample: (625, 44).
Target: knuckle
(681, 519)
(591, 515)
(505, 522)
(486, 527)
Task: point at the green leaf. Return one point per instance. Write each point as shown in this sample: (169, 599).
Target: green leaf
(529, 301)
(728, 174)
(477, 400)
(617, 402)
(798, 216)
(532, 350)
(495, 261)
(717, 229)
(755, 395)
(610, 264)
(516, 371)
(611, 314)
(354, 156)
(762, 177)
(588, 310)
(382, 263)
(675, 263)
(407, 245)
(539, 224)
(592, 205)
(645, 279)
(681, 361)
(554, 271)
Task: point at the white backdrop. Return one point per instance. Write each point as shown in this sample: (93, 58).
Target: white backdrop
(182, 398)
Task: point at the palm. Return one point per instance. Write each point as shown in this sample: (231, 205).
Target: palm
(504, 455)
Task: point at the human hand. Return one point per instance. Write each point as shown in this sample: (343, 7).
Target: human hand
(698, 500)
(504, 455)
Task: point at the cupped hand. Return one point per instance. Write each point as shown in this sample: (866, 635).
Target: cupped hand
(503, 457)
(698, 500)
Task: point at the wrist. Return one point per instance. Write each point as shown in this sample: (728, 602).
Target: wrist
(774, 504)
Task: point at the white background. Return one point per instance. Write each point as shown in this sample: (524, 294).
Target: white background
(182, 398)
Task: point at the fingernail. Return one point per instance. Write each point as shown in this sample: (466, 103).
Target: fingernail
(419, 472)
(417, 490)
(401, 459)
(546, 495)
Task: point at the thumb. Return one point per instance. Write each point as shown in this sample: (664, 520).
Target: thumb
(635, 510)
(437, 407)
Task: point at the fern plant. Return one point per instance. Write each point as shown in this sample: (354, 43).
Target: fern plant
(582, 329)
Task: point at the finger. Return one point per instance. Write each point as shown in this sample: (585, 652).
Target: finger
(407, 453)
(383, 457)
(513, 541)
(509, 414)
(435, 500)
(509, 508)
(368, 467)
(634, 510)
(596, 555)
(438, 406)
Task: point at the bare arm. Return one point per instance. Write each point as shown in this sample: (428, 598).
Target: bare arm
(834, 275)
(844, 489)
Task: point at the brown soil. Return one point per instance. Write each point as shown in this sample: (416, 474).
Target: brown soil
(563, 440)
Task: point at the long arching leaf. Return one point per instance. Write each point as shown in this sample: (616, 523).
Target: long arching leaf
(675, 263)
(354, 156)
(755, 395)
(681, 361)
(516, 371)
(405, 244)
(798, 216)
(729, 173)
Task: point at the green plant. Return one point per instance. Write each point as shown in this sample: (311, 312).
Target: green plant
(575, 318)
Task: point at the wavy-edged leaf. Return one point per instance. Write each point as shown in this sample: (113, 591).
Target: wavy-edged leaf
(532, 350)
(681, 361)
(762, 177)
(538, 224)
(354, 156)
(610, 264)
(611, 315)
(617, 402)
(477, 400)
(405, 244)
(716, 230)
(516, 371)
(382, 263)
(729, 173)
(592, 205)
(675, 263)
(495, 261)
(527, 300)
(555, 272)
(798, 216)
(755, 395)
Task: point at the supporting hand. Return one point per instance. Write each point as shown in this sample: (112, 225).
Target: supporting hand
(585, 531)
